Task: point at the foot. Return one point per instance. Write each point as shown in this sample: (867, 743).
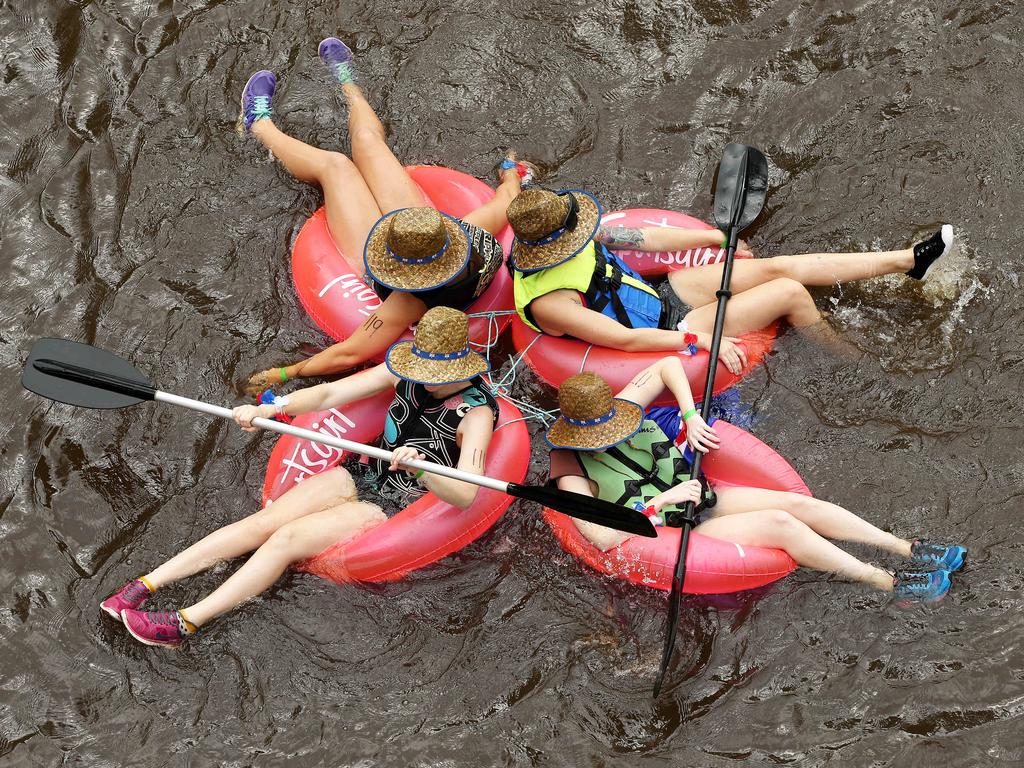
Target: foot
(164, 628)
(948, 558)
(338, 58)
(928, 587)
(927, 252)
(256, 98)
(132, 595)
(525, 170)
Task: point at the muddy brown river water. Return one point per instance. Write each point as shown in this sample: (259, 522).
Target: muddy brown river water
(132, 216)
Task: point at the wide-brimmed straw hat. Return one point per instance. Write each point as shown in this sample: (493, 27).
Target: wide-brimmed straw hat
(551, 227)
(439, 352)
(591, 418)
(416, 249)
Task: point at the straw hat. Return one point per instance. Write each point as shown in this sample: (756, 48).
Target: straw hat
(416, 249)
(551, 227)
(592, 419)
(439, 352)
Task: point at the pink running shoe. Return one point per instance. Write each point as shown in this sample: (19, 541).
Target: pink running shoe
(164, 628)
(132, 595)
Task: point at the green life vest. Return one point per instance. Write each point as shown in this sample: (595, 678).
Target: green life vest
(634, 472)
(615, 291)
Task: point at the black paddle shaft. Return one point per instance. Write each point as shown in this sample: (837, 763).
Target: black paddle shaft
(739, 196)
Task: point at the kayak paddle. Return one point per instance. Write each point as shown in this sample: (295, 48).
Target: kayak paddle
(739, 196)
(89, 377)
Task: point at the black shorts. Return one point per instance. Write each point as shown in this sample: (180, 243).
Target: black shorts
(673, 309)
(368, 487)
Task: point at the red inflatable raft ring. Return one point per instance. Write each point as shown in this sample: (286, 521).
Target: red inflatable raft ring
(331, 287)
(713, 566)
(557, 358)
(422, 533)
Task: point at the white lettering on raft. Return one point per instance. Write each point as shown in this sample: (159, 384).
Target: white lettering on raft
(352, 286)
(309, 458)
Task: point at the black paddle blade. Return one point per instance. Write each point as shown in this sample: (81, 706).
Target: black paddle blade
(83, 375)
(742, 186)
(587, 508)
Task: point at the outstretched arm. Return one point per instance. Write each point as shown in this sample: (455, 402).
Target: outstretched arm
(668, 373)
(663, 239)
(381, 329)
(322, 396)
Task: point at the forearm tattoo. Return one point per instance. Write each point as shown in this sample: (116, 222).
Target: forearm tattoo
(372, 324)
(620, 237)
(642, 378)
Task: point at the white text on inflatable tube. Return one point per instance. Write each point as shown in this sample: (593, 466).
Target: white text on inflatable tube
(310, 458)
(353, 287)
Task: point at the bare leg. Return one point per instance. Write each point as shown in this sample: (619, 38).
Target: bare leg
(328, 489)
(492, 215)
(823, 517)
(351, 207)
(392, 187)
(759, 306)
(295, 541)
(778, 528)
(697, 286)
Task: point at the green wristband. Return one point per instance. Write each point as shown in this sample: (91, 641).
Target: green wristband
(282, 374)
(725, 243)
(419, 474)
(689, 413)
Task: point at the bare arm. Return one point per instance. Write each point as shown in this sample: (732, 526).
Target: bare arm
(658, 238)
(476, 430)
(491, 215)
(323, 396)
(377, 333)
(668, 373)
(561, 313)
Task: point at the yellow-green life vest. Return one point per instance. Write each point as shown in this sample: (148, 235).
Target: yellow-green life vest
(616, 290)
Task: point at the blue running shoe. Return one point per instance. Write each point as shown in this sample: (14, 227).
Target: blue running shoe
(338, 58)
(256, 98)
(927, 587)
(949, 558)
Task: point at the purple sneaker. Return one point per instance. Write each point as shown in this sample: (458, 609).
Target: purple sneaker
(164, 628)
(338, 58)
(256, 98)
(132, 595)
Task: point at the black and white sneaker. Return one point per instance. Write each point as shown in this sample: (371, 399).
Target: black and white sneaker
(929, 251)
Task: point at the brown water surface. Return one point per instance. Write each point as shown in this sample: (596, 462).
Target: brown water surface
(133, 217)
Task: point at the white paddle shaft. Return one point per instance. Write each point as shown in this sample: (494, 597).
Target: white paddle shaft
(334, 442)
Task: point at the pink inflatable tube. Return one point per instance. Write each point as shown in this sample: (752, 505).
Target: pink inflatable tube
(555, 359)
(712, 566)
(422, 533)
(331, 287)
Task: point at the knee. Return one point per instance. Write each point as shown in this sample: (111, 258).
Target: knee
(796, 296)
(366, 133)
(338, 163)
(282, 541)
(780, 520)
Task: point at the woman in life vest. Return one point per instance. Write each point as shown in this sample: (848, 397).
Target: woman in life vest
(442, 412)
(606, 447)
(569, 282)
(417, 258)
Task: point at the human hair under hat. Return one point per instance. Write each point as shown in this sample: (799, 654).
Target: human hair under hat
(439, 352)
(592, 419)
(416, 249)
(551, 227)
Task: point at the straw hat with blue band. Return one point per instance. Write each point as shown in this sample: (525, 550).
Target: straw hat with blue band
(439, 352)
(592, 419)
(416, 249)
(551, 227)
